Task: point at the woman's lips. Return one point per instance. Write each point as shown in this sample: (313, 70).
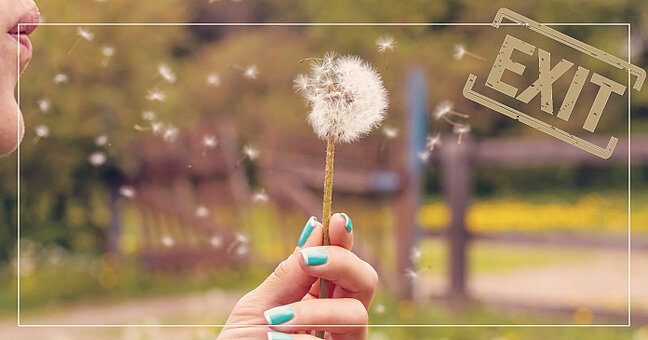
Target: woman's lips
(25, 26)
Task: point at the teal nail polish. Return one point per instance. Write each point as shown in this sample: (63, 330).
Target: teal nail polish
(308, 228)
(314, 256)
(349, 224)
(279, 314)
(279, 336)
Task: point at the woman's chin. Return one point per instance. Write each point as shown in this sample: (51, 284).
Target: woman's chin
(12, 127)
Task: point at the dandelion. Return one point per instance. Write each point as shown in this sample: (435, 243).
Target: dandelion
(444, 109)
(213, 79)
(167, 241)
(166, 73)
(97, 158)
(148, 115)
(461, 130)
(84, 34)
(209, 142)
(101, 140)
(42, 131)
(251, 72)
(460, 52)
(432, 142)
(170, 134)
(202, 211)
(347, 100)
(127, 191)
(156, 95)
(385, 43)
(260, 197)
(60, 78)
(216, 241)
(44, 105)
(250, 152)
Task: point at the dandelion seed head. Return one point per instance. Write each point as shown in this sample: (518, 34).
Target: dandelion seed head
(213, 79)
(44, 105)
(260, 197)
(166, 73)
(42, 131)
(156, 95)
(167, 241)
(216, 241)
(442, 109)
(385, 43)
(101, 140)
(148, 115)
(202, 211)
(251, 152)
(127, 191)
(108, 51)
(97, 158)
(209, 142)
(390, 132)
(460, 51)
(85, 33)
(61, 78)
(251, 72)
(346, 96)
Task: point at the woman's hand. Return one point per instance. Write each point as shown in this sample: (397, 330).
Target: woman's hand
(285, 305)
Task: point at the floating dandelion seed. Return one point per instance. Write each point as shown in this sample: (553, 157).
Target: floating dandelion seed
(148, 115)
(379, 309)
(84, 33)
(44, 105)
(167, 241)
(461, 130)
(432, 142)
(260, 197)
(97, 158)
(209, 142)
(157, 128)
(216, 241)
(42, 131)
(61, 78)
(385, 43)
(251, 72)
(202, 211)
(170, 133)
(412, 275)
(460, 52)
(390, 132)
(101, 140)
(251, 152)
(108, 51)
(444, 109)
(415, 255)
(424, 155)
(347, 100)
(167, 73)
(156, 95)
(127, 191)
(213, 79)
(242, 250)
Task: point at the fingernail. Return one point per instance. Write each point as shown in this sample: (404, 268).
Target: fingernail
(348, 225)
(308, 228)
(279, 314)
(279, 336)
(314, 256)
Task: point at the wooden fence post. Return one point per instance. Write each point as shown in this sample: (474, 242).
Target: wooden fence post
(408, 199)
(455, 159)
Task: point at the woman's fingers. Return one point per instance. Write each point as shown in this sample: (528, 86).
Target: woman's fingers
(353, 277)
(343, 318)
(341, 231)
(288, 336)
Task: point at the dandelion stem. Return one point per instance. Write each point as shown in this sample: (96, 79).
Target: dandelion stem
(462, 115)
(326, 210)
(451, 122)
(75, 45)
(476, 56)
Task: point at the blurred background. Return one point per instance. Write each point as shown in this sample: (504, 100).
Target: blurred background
(166, 170)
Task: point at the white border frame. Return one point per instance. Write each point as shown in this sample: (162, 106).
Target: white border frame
(629, 42)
